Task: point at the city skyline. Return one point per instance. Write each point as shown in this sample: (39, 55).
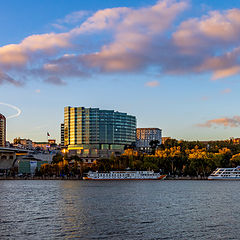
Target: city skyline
(172, 64)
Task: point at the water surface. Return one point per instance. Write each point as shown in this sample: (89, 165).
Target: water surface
(119, 209)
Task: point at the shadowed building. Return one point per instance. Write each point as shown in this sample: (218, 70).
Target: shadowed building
(7, 158)
(92, 128)
(2, 131)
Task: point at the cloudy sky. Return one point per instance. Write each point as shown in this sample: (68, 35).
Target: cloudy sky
(175, 65)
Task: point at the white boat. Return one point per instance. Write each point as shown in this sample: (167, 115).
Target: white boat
(225, 174)
(124, 175)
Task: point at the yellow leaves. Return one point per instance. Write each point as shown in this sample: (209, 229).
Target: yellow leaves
(62, 163)
(45, 165)
(235, 157)
(171, 153)
(197, 153)
(130, 152)
(224, 150)
(235, 160)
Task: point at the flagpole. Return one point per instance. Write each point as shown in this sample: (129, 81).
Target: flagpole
(48, 135)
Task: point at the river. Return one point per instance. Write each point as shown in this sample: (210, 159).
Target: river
(42, 209)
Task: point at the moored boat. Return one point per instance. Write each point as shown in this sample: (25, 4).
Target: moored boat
(124, 175)
(225, 174)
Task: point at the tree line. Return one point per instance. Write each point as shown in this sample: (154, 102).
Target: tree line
(182, 158)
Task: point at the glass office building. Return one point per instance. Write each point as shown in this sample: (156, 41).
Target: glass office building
(97, 129)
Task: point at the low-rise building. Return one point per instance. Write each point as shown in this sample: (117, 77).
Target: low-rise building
(7, 159)
(29, 165)
(50, 145)
(23, 143)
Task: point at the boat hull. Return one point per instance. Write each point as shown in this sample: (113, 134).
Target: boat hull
(225, 174)
(161, 177)
(223, 178)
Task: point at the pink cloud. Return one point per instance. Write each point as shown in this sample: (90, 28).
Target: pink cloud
(205, 36)
(152, 84)
(134, 39)
(226, 72)
(215, 28)
(205, 98)
(226, 122)
(19, 54)
(102, 20)
(226, 91)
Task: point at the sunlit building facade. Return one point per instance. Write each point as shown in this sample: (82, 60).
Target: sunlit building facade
(2, 131)
(145, 135)
(92, 128)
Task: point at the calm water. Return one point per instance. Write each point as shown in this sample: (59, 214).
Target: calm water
(119, 210)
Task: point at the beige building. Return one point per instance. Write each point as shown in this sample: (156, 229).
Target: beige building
(23, 143)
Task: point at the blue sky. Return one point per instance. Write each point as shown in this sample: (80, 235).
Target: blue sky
(172, 64)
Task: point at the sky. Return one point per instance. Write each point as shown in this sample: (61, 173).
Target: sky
(174, 64)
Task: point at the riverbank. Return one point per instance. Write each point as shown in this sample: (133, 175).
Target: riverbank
(78, 178)
(40, 178)
(185, 178)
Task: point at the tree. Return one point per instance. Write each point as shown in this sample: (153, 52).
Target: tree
(78, 164)
(57, 158)
(235, 160)
(153, 144)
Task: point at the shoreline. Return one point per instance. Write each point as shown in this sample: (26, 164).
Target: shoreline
(79, 179)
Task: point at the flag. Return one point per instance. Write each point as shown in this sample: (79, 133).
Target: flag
(48, 134)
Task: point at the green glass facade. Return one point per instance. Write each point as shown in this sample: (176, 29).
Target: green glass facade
(95, 128)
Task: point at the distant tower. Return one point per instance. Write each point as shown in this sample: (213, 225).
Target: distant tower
(2, 131)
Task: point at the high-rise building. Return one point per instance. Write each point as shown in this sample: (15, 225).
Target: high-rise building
(92, 128)
(62, 134)
(2, 131)
(145, 135)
